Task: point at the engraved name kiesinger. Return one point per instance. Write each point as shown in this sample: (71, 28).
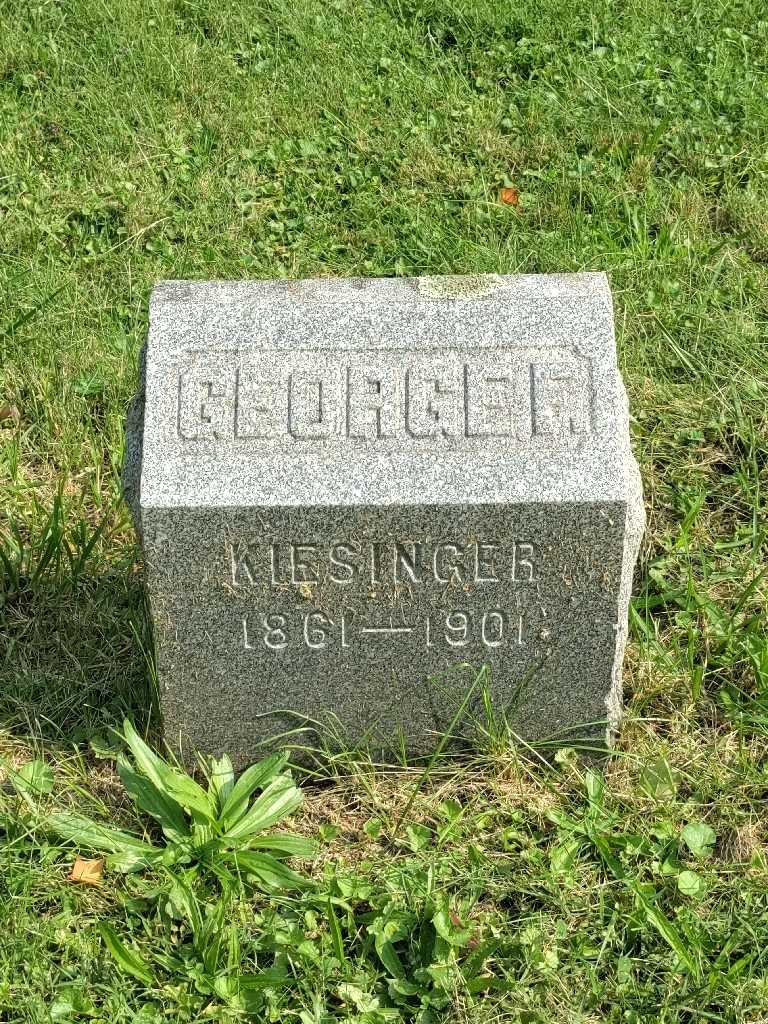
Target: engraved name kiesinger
(314, 396)
(476, 564)
(378, 562)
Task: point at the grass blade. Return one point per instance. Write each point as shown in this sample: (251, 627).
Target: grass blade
(126, 959)
(336, 937)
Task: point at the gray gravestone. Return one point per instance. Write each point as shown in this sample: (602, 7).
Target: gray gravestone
(349, 489)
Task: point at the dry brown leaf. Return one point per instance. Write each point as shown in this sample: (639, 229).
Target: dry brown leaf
(86, 872)
(9, 414)
(510, 196)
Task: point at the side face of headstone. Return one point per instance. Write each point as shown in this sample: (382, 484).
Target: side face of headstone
(353, 494)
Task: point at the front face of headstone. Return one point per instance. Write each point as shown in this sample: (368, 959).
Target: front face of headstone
(355, 495)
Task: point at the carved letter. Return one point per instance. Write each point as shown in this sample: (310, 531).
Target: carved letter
(375, 563)
(493, 403)
(560, 400)
(371, 404)
(342, 569)
(310, 406)
(274, 558)
(206, 403)
(522, 565)
(303, 571)
(243, 563)
(262, 403)
(408, 565)
(484, 570)
(435, 402)
(447, 565)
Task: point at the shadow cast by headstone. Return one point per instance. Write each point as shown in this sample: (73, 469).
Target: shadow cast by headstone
(75, 658)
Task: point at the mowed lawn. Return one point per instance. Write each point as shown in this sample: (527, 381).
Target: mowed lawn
(201, 139)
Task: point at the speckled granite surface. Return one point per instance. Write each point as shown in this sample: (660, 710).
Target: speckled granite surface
(353, 493)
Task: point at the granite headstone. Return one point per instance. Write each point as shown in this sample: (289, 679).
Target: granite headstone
(354, 494)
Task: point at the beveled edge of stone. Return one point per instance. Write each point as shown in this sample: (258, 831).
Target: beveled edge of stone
(409, 290)
(634, 529)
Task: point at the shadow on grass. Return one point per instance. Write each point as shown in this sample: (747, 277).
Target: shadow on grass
(74, 653)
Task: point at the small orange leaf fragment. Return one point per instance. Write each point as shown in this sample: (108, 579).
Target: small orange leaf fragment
(10, 414)
(510, 196)
(86, 872)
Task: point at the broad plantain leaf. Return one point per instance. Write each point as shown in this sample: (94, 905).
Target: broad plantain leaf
(174, 784)
(595, 786)
(448, 926)
(690, 883)
(271, 977)
(35, 776)
(127, 861)
(258, 775)
(657, 919)
(281, 844)
(659, 779)
(281, 797)
(222, 780)
(271, 873)
(336, 937)
(153, 801)
(184, 904)
(92, 834)
(389, 927)
(147, 761)
(185, 791)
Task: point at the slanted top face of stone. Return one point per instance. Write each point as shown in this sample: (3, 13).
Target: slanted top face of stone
(327, 392)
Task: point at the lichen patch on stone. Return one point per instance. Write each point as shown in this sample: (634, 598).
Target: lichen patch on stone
(458, 286)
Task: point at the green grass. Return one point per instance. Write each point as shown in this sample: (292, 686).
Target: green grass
(141, 141)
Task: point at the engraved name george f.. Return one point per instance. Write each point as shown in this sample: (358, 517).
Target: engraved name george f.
(499, 394)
